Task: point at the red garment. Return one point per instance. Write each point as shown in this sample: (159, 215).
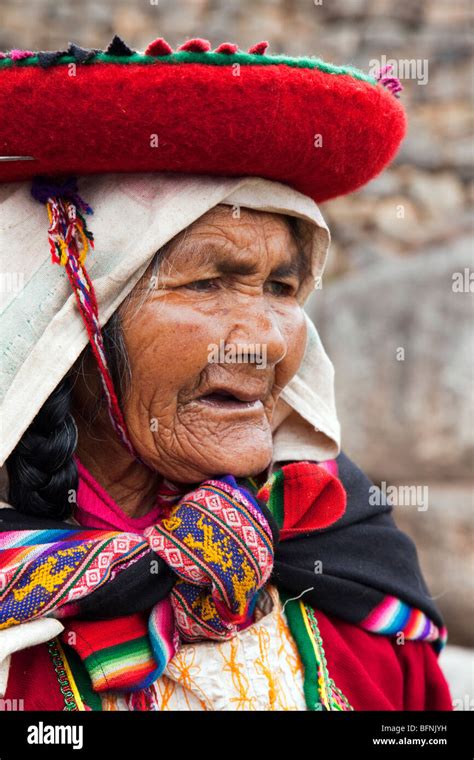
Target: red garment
(32, 678)
(373, 672)
(376, 673)
(314, 497)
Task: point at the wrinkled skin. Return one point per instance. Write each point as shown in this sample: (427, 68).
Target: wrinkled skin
(167, 335)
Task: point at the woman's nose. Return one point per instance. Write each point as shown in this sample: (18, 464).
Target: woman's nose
(258, 331)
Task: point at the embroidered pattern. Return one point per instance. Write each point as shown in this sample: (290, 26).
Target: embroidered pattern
(220, 546)
(331, 696)
(49, 571)
(258, 669)
(67, 685)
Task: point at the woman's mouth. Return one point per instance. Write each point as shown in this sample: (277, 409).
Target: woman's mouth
(227, 401)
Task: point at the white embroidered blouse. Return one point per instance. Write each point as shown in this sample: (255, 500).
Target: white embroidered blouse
(259, 669)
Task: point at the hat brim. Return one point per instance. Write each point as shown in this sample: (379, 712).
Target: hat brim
(311, 126)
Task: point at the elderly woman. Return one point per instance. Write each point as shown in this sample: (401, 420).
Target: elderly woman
(180, 530)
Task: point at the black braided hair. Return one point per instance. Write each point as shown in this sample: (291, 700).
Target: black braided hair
(42, 474)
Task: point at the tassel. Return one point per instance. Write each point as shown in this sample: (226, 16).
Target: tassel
(49, 58)
(228, 48)
(195, 46)
(143, 700)
(18, 55)
(391, 83)
(159, 47)
(81, 55)
(259, 49)
(70, 241)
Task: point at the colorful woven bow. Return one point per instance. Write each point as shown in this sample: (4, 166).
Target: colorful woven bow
(215, 539)
(220, 545)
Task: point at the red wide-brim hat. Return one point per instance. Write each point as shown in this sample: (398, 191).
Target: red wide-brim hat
(325, 130)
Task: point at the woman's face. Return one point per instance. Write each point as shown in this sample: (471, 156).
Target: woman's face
(218, 336)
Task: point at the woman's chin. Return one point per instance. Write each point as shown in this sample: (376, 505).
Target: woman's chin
(240, 460)
(243, 451)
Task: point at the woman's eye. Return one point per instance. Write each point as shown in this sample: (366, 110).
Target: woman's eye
(282, 288)
(203, 285)
(277, 288)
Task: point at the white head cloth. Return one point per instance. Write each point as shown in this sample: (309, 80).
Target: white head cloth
(42, 333)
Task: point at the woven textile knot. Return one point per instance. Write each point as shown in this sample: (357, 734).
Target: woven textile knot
(219, 544)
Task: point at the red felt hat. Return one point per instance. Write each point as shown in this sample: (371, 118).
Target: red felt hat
(323, 129)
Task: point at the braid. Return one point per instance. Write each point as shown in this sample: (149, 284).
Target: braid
(41, 469)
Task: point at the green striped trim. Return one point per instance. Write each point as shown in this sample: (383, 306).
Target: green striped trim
(105, 662)
(211, 59)
(299, 632)
(82, 679)
(276, 500)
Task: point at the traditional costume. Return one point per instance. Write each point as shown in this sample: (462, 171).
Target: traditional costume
(298, 592)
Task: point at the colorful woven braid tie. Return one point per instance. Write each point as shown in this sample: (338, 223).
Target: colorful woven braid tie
(69, 241)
